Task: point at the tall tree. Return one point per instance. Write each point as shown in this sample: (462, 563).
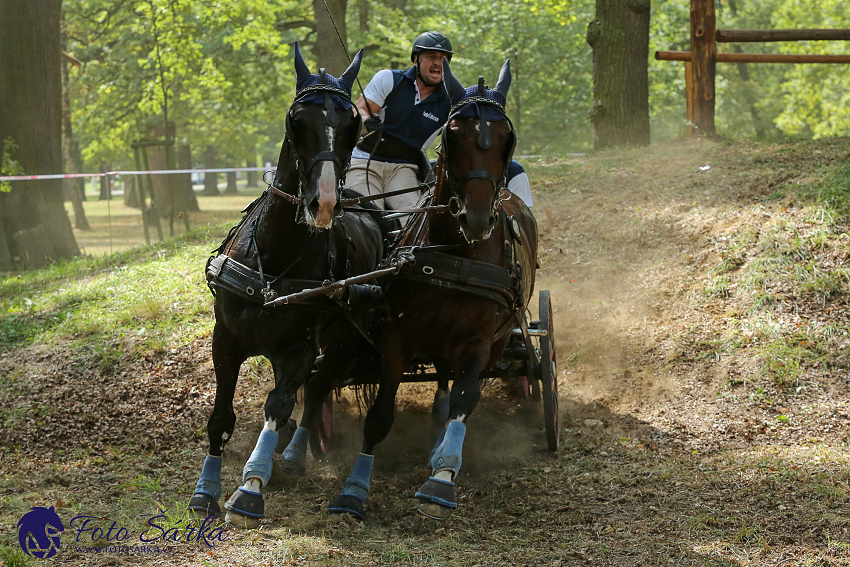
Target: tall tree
(328, 49)
(619, 36)
(35, 224)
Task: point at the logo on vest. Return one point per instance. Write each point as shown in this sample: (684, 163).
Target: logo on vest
(431, 116)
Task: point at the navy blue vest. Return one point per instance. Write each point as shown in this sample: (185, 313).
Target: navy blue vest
(411, 123)
(514, 169)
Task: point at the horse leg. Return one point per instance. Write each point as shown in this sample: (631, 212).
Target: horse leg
(317, 388)
(440, 409)
(379, 421)
(437, 496)
(246, 506)
(226, 361)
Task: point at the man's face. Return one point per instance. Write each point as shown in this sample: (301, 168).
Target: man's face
(431, 67)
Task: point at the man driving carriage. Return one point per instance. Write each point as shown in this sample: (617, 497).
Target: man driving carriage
(403, 111)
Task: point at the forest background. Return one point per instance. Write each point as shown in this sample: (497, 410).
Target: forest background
(223, 69)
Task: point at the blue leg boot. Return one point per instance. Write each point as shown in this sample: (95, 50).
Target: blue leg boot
(208, 490)
(356, 489)
(294, 460)
(437, 496)
(245, 507)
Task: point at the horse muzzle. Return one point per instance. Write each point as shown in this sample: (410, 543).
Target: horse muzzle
(476, 226)
(323, 204)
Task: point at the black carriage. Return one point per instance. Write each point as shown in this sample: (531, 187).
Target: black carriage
(530, 359)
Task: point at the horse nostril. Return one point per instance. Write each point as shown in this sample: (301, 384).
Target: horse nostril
(461, 218)
(492, 221)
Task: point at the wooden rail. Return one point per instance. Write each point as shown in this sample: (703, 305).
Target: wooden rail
(701, 60)
(740, 36)
(755, 57)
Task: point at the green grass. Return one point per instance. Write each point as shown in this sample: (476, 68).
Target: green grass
(140, 299)
(834, 191)
(12, 556)
(116, 227)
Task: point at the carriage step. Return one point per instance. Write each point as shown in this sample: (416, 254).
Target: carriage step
(517, 332)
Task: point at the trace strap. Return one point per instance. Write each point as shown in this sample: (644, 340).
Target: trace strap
(358, 200)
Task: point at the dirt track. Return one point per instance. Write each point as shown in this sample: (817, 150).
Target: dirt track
(666, 458)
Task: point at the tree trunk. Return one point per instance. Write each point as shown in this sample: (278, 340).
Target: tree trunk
(105, 188)
(619, 36)
(75, 189)
(184, 161)
(31, 114)
(131, 193)
(231, 183)
(210, 179)
(328, 50)
(252, 175)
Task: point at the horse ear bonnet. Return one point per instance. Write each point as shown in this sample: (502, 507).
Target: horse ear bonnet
(498, 94)
(306, 79)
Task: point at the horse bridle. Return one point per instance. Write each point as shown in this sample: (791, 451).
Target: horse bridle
(484, 141)
(332, 120)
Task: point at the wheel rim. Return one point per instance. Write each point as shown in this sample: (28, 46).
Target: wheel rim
(549, 372)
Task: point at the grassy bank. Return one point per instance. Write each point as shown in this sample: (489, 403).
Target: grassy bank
(701, 308)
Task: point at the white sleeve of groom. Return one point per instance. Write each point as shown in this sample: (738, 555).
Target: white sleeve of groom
(520, 187)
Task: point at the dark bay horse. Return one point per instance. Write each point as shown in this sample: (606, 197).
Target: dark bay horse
(293, 237)
(458, 302)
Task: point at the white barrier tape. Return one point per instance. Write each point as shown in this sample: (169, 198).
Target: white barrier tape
(113, 173)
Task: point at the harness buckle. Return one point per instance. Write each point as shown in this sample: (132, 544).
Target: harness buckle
(269, 294)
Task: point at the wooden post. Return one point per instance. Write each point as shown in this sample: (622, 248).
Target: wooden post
(690, 95)
(703, 64)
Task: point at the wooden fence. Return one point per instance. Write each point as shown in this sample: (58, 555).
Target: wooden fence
(701, 60)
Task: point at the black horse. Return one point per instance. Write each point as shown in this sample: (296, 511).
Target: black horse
(457, 303)
(291, 238)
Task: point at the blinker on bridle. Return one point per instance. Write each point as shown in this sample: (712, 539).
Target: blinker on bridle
(484, 142)
(332, 120)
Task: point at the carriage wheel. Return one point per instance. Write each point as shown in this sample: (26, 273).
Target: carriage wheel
(549, 372)
(322, 429)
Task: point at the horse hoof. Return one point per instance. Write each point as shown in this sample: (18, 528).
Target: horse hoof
(348, 504)
(202, 506)
(292, 468)
(240, 521)
(434, 511)
(436, 499)
(244, 508)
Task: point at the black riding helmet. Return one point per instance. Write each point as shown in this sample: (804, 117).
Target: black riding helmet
(431, 41)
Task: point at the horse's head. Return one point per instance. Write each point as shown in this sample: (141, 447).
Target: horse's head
(477, 147)
(322, 127)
